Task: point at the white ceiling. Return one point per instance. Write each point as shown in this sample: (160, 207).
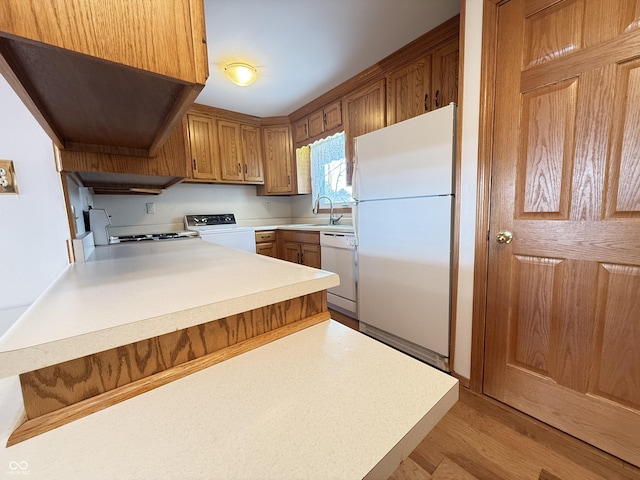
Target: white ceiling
(303, 48)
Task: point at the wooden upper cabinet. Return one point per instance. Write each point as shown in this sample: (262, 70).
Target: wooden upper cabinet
(409, 91)
(251, 153)
(364, 113)
(223, 149)
(325, 121)
(113, 76)
(202, 147)
(427, 83)
(444, 84)
(230, 154)
(278, 160)
(301, 130)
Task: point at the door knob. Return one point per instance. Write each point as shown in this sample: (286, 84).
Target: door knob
(504, 237)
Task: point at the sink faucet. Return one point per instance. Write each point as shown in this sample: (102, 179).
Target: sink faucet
(333, 219)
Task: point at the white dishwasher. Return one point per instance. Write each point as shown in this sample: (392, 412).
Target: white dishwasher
(338, 253)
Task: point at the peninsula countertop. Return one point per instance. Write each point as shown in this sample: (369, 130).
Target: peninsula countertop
(324, 403)
(127, 293)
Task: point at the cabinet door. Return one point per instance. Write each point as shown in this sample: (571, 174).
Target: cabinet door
(316, 123)
(301, 130)
(408, 91)
(229, 150)
(445, 74)
(333, 115)
(364, 113)
(291, 252)
(278, 158)
(251, 153)
(202, 147)
(310, 255)
(267, 248)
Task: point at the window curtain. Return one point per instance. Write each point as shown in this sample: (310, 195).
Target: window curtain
(328, 168)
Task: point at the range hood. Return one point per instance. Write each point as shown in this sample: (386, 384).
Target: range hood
(112, 77)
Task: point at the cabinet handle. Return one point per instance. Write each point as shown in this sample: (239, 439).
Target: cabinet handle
(245, 169)
(324, 118)
(305, 129)
(437, 92)
(195, 164)
(298, 257)
(426, 102)
(239, 168)
(288, 179)
(302, 258)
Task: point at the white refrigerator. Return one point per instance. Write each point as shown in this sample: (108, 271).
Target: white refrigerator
(403, 186)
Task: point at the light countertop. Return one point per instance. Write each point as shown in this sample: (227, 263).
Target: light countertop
(132, 292)
(309, 227)
(323, 403)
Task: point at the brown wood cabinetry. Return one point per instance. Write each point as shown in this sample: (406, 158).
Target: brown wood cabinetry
(239, 152)
(301, 131)
(444, 74)
(278, 160)
(266, 243)
(364, 113)
(128, 76)
(124, 174)
(409, 91)
(300, 247)
(202, 147)
(425, 84)
(324, 121)
(221, 149)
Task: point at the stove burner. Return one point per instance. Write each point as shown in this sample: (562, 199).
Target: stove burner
(152, 236)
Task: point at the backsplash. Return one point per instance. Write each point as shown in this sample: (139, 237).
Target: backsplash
(180, 200)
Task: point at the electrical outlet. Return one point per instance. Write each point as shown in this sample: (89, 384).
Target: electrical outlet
(267, 206)
(151, 208)
(8, 183)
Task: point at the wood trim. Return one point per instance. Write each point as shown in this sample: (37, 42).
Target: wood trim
(458, 187)
(464, 381)
(95, 374)
(433, 38)
(485, 149)
(226, 114)
(71, 221)
(55, 419)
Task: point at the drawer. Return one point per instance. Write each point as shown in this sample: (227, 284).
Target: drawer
(265, 236)
(300, 236)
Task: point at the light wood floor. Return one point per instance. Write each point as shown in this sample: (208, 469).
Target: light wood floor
(483, 439)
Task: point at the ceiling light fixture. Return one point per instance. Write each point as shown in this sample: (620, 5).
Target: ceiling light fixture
(241, 73)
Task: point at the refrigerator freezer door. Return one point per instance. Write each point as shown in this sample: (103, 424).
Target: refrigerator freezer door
(404, 268)
(408, 159)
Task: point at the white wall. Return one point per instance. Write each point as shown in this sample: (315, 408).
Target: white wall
(33, 224)
(190, 199)
(469, 179)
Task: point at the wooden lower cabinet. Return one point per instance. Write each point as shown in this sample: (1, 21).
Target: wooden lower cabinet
(266, 243)
(300, 247)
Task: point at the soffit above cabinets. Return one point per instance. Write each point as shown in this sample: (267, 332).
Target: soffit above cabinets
(107, 77)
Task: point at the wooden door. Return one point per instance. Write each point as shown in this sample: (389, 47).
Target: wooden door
(445, 74)
(563, 305)
(291, 252)
(278, 151)
(364, 112)
(229, 150)
(316, 124)
(310, 255)
(202, 147)
(301, 130)
(251, 153)
(332, 115)
(267, 248)
(408, 91)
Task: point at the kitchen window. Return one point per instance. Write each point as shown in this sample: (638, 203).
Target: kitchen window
(329, 173)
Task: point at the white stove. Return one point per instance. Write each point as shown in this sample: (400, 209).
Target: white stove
(222, 229)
